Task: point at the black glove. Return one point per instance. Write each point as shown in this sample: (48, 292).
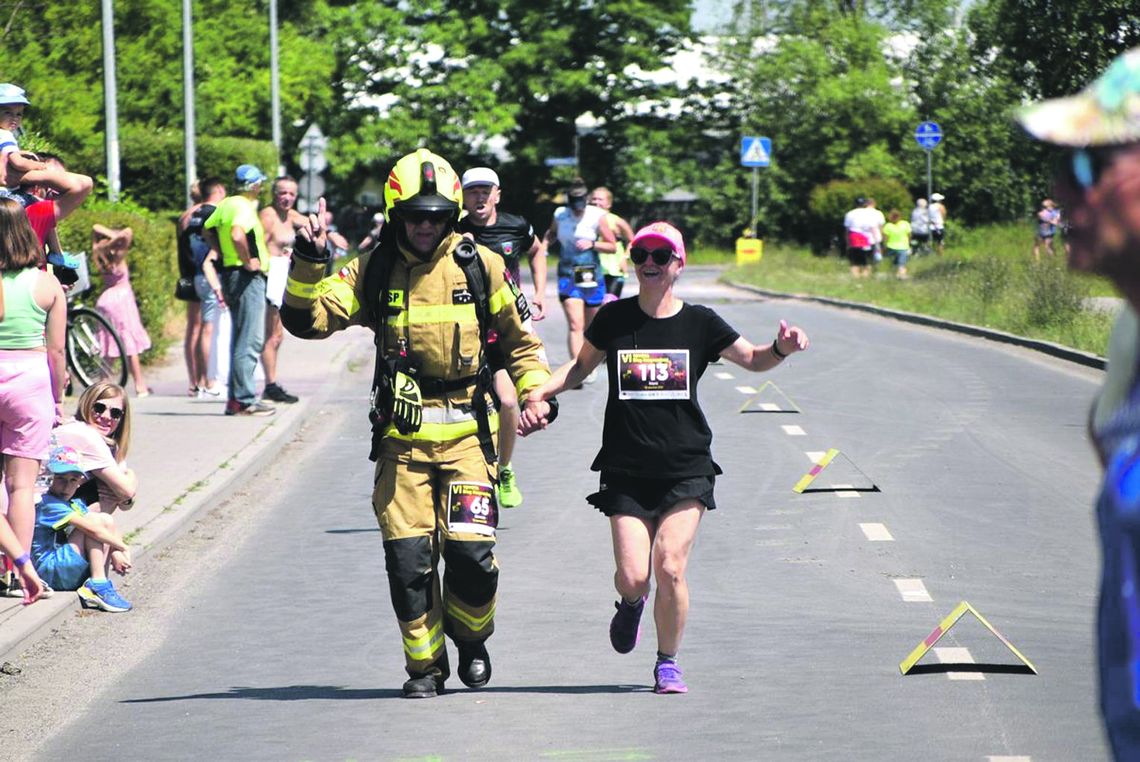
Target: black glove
(306, 250)
(408, 407)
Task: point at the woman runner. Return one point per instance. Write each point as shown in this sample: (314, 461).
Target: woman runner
(656, 348)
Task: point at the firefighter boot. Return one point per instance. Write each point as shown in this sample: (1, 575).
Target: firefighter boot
(474, 664)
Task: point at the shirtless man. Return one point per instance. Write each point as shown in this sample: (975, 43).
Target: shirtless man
(278, 219)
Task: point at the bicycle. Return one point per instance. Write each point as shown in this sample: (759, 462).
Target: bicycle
(90, 339)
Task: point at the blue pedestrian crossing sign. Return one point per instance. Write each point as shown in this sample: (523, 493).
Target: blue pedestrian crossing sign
(928, 135)
(755, 152)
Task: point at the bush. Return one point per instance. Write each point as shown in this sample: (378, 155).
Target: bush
(1055, 296)
(829, 203)
(152, 260)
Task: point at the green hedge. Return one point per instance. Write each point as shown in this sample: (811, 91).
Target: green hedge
(152, 260)
(152, 164)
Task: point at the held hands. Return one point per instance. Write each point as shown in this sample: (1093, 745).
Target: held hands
(312, 236)
(535, 415)
(789, 340)
(537, 310)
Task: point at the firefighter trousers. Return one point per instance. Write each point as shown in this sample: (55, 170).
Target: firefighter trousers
(436, 500)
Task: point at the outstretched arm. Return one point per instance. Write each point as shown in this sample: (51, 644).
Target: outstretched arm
(761, 357)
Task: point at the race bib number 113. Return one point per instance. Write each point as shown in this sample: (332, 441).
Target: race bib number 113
(653, 374)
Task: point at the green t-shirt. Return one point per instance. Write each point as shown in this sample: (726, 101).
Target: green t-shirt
(896, 235)
(241, 212)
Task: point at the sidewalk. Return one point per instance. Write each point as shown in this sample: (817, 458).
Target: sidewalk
(188, 454)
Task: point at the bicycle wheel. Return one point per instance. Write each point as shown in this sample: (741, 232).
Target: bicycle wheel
(89, 338)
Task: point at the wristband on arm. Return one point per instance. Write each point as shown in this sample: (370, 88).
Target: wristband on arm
(21, 560)
(776, 351)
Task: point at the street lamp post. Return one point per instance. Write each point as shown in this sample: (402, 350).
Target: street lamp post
(110, 105)
(188, 98)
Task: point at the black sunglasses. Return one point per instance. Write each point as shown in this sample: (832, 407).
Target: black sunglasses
(660, 256)
(115, 412)
(416, 217)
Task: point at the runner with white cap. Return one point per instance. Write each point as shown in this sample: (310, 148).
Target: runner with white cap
(510, 236)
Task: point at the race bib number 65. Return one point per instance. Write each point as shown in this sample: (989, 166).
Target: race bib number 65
(653, 374)
(471, 507)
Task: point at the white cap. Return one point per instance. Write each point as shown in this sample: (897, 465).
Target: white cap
(480, 176)
(937, 197)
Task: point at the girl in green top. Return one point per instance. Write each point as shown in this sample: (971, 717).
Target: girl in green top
(896, 237)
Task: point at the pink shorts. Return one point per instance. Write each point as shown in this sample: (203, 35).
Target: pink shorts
(27, 408)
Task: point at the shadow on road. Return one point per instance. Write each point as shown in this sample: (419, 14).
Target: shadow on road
(338, 693)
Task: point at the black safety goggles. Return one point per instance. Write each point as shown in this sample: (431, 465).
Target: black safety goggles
(660, 256)
(417, 216)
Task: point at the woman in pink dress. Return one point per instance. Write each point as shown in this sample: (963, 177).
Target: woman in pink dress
(109, 251)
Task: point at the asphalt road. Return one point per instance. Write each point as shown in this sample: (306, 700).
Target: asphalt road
(266, 633)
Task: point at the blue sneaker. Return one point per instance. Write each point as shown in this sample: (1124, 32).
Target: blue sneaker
(625, 627)
(102, 595)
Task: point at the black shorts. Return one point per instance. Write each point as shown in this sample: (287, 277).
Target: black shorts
(859, 257)
(938, 234)
(920, 237)
(620, 495)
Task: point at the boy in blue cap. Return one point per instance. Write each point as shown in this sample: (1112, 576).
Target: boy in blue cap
(72, 544)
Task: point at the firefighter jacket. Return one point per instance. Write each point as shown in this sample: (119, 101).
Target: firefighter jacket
(430, 307)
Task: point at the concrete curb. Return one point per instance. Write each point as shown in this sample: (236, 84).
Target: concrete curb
(1056, 350)
(162, 525)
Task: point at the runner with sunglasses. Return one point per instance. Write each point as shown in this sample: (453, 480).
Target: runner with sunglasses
(582, 233)
(657, 471)
(1098, 184)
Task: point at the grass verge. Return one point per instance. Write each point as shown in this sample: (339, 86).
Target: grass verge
(987, 277)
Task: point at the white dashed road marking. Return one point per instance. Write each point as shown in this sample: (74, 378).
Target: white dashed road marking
(913, 591)
(845, 490)
(815, 455)
(723, 376)
(958, 656)
(769, 406)
(876, 532)
(746, 389)
(794, 431)
(992, 758)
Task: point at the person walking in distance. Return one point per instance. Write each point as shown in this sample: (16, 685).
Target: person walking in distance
(243, 263)
(200, 247)
(1048, 220)
(431, 296)
(279, 220)
(511, 237)
(657, 471)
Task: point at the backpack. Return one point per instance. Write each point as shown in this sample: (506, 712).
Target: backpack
(194, 235)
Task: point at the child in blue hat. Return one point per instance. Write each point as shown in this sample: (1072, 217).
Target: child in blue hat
(73, 548)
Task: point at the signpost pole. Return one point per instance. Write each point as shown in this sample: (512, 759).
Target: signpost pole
(929, 189)
(755, 193)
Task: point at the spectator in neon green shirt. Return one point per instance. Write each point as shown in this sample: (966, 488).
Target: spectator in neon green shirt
(896, 237)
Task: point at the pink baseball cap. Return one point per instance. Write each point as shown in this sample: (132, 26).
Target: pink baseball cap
(661, 232)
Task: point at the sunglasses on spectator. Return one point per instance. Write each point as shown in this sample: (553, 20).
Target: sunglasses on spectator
(114, 412)
(660, 256)
(416, 217)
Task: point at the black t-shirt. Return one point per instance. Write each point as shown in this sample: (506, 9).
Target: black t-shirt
(654, 424)
(192, 245)
(510, 236)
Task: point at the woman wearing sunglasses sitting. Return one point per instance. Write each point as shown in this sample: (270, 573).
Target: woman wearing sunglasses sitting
(657, 471)
(101, 433)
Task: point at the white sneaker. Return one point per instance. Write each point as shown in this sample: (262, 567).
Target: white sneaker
(211, 393)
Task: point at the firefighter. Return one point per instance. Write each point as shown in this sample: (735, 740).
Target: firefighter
(433, 416)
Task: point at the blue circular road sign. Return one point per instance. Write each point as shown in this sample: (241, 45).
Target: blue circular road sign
(928, 135)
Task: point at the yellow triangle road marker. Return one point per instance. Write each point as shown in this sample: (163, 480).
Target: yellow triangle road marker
(815, 471)
(769, 398)
(944, 626)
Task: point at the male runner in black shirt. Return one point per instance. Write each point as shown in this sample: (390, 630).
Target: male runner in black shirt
(510, 236)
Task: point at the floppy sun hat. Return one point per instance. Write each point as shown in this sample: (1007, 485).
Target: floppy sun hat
(1106, 113)
(247, 175)
(10, 93)
(658, 233)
